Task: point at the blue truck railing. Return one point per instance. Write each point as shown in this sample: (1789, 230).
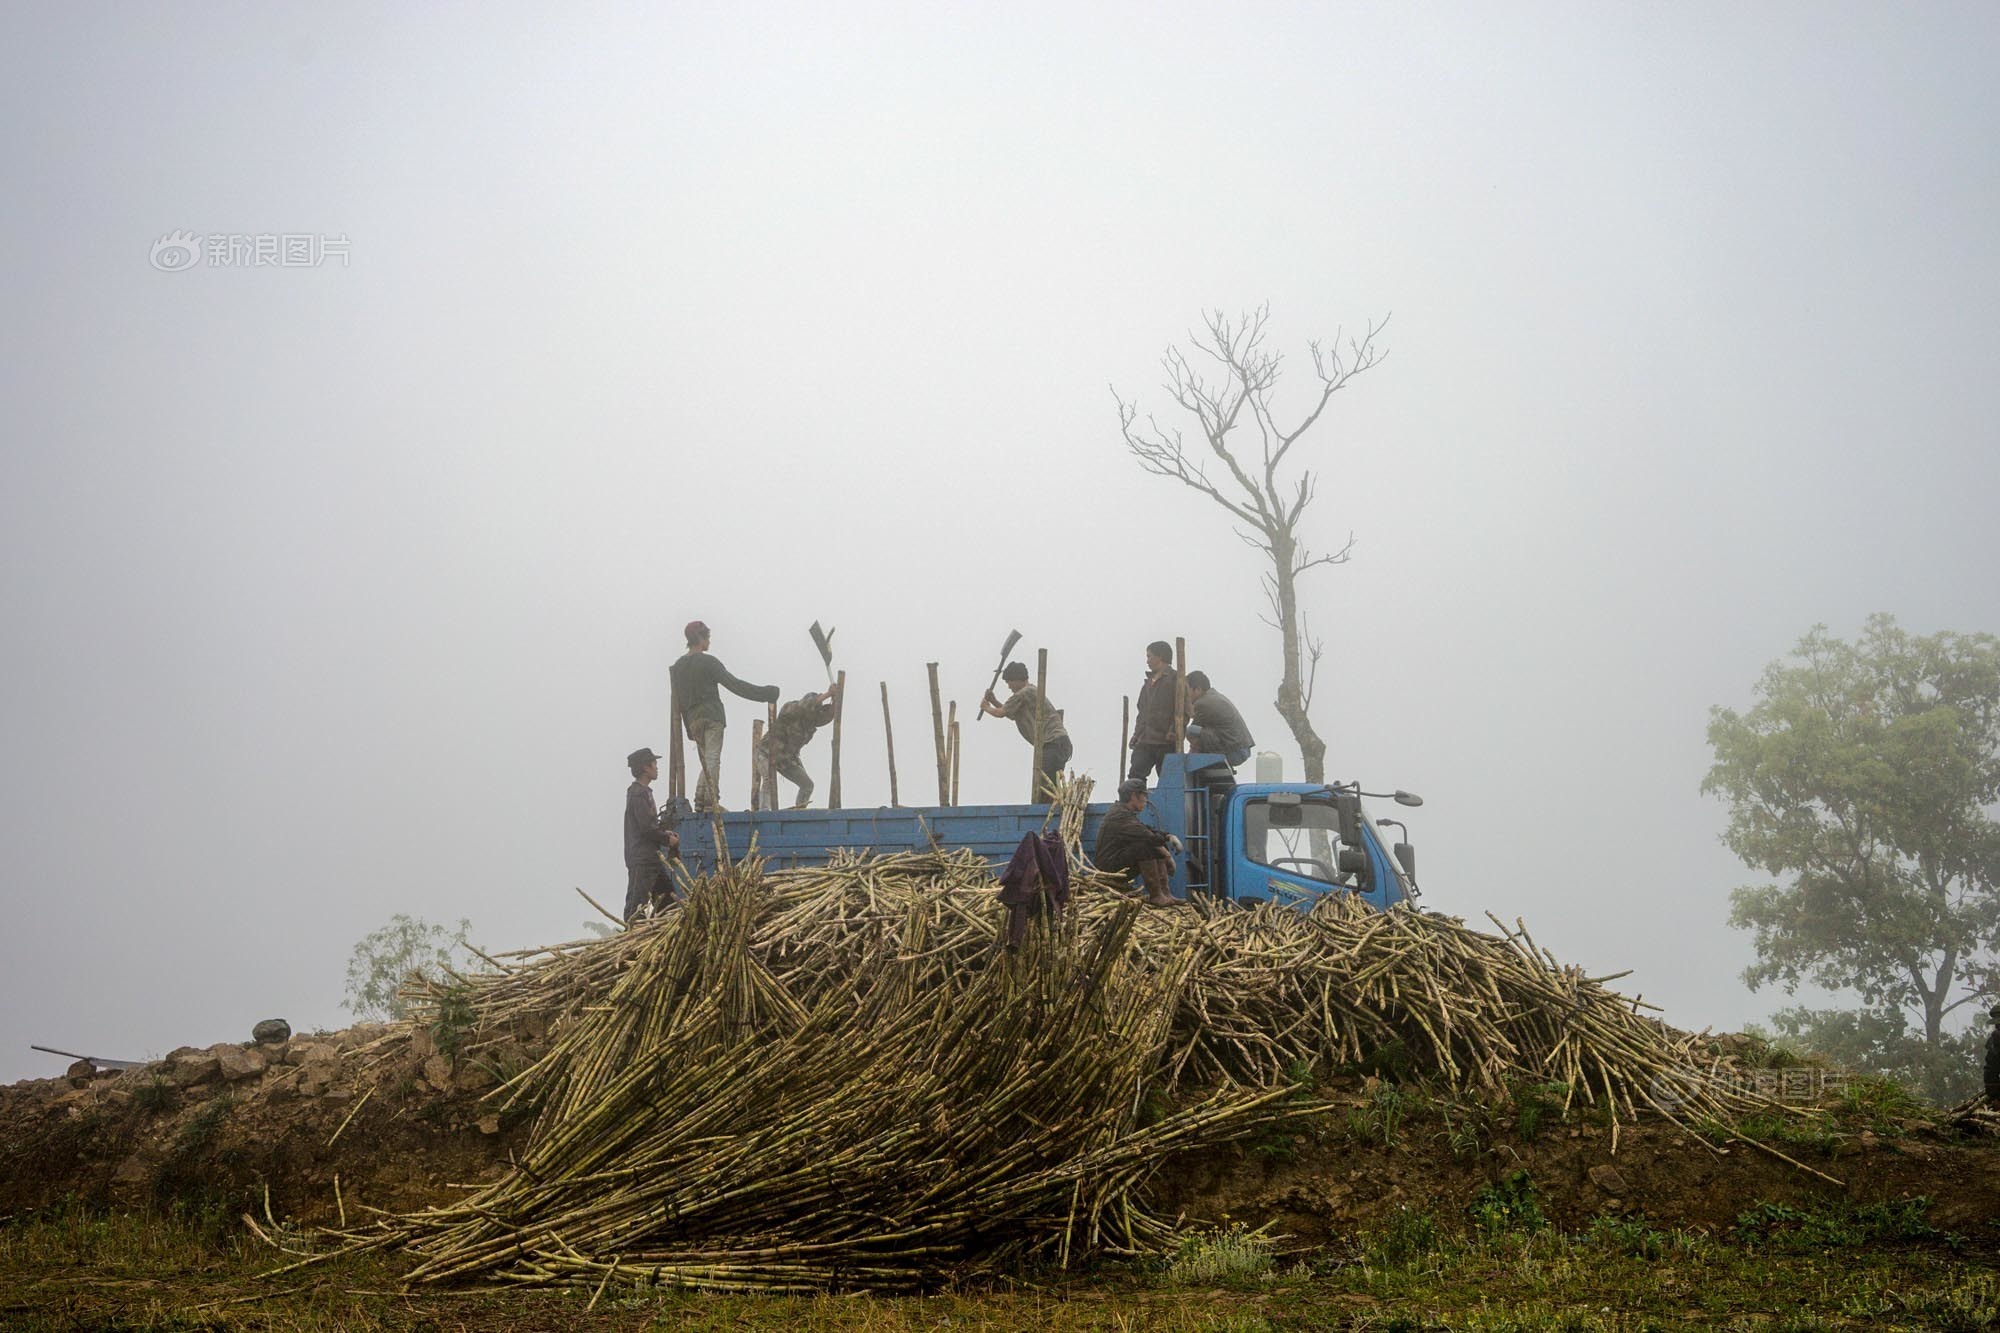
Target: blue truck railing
(1196, 798)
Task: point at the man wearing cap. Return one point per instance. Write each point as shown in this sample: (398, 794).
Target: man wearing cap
(695, 677)
(1214, 725)
(1993, 1059)
(1127, 846)
(1153, 727)
(1022, 700)
(797, 722)
(647, 845)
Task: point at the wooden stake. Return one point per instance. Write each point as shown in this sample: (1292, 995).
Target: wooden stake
(937, 726)
(676, 757)
(1180, 692)
(771, 770)
(1125, 741)
(756, 764)
(1041, 722)
(839, 703)
(954, 755)
(951, 754)
(889, 739)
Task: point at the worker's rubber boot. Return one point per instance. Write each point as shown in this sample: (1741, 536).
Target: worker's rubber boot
(1155, 874)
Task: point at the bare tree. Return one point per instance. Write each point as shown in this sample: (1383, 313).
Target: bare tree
(1232, 395)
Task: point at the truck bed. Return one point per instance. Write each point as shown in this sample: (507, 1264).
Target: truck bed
(810, 837)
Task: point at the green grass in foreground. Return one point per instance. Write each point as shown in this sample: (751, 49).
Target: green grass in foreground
(1500, 1268)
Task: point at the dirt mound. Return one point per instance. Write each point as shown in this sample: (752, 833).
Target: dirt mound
(583, 1079)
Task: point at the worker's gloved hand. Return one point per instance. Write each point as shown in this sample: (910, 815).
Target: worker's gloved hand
(1174, 843)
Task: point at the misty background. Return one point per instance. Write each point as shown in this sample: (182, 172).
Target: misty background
(334, 591)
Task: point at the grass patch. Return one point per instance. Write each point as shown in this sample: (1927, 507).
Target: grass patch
(1226, 1255)
(1837, 1223)
(1510, 1204)
(74, 1270)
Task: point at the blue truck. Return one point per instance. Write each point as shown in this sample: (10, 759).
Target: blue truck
(1243, 842)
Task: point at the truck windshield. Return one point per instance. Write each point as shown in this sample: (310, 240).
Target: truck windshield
(1300, 839)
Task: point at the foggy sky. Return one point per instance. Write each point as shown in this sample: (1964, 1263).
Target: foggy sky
(332, 592)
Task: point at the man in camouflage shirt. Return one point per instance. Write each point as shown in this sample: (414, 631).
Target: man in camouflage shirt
(797, 723)
(1022, 700)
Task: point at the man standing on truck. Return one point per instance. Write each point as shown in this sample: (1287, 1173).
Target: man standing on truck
(1214, 725)
(797, 721)
(1126, 846)
(647, 845)
(1022, 700)
(695, 676)
(1153, 729)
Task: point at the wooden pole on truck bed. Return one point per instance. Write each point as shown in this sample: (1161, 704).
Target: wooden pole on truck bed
(1041, 722)
(757, 764)
(1125, 740)
(676, 757)
(955, 754)
(1180, 693)
(950, 796)
(937, 726)
(771, 770)
(889, 739)
(839, 703)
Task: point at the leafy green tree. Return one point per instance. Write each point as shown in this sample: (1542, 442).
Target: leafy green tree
(386, 960)
(1863, 777)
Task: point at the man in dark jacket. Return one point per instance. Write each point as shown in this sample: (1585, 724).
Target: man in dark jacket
(695, 677)
(1022, 702)
(1153, 728)
(797, 722)
(1214, 725)
(647, 845)
(1127, 846)
(1993, 1059)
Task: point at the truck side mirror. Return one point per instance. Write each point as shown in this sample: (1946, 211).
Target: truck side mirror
(1406, 857)
(1353, 861)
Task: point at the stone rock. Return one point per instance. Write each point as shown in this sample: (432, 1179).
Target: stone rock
(80, 1073)
(193, 1069)
(422, 1044)
(314, 1080)
(131, 1171)
(282, 1087)
(238, 1062)
(489, 1124)
(1607, 1178)
(437, 1073)
(473, 1076)
(114, 1097)
(272, 1029)
(336, 1095)
(319, 1053)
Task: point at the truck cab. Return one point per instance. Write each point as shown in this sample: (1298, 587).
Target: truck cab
(1283, 842)
(1243, 842)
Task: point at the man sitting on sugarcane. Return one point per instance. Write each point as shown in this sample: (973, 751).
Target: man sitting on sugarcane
(1127, 846)
(796, 725)
(695, 675)
(1022, 699)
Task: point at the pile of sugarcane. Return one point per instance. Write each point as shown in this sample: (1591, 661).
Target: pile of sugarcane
(839, 1078)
